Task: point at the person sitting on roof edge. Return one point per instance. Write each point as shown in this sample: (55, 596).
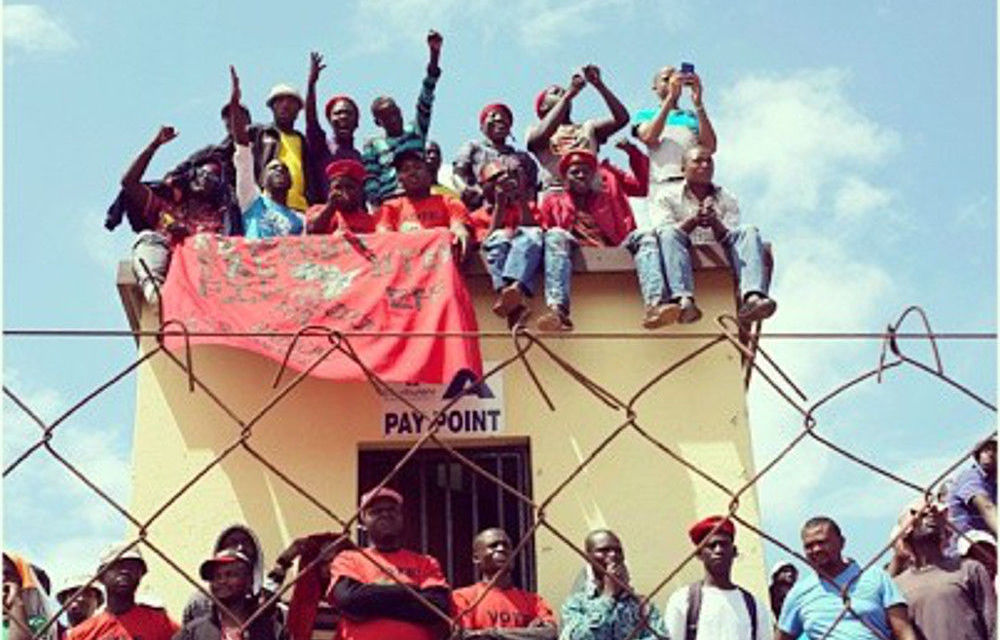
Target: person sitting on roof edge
(344, 209)
(495, 122)
(418, 208)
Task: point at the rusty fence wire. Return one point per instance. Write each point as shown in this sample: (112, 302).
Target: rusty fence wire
(727, 334)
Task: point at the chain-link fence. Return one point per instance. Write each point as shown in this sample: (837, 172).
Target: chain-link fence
(727, 334)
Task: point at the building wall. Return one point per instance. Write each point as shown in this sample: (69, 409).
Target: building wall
(313, 435)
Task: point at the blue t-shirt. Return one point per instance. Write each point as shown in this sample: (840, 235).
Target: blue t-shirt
(676, 117)
(265, 218)
(970, 483)
(813, 604)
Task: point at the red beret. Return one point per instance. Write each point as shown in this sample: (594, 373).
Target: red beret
(496, 106)
(335, 99)
(577, 155)
(540, 98)
(700, 529)
(351, 168)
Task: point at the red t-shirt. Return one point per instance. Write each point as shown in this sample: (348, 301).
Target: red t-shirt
(503, 608)
(409, 568)
(138, 623)
(432, 211)
(357, 221)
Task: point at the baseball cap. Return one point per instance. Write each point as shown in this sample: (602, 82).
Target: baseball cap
(70, 585)
(384, 492)
(111, 555)
(226, 556)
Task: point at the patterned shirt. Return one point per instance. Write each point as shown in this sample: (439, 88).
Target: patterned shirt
(588, 615)
(476, 154)
(670, 210)
(379, 151)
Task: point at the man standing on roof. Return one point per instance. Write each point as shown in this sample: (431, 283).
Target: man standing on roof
(281, 141)
(120, 571)
(379, 152)
(606, 608)
(669, 132)
(505, 612)
(815, 605)
(342, 114)
(972, 499)
(714, 608)
(82, 607)
(374, 588)
(555, 134)
(495, 122)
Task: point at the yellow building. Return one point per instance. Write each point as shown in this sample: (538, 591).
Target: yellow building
(335, 440)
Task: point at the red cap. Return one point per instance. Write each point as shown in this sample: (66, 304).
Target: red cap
(700, 529)
(337, 98)
(540, 98)
(384, 492)
(347, 167)
(225, 556)
(495, 106)
(577, 155)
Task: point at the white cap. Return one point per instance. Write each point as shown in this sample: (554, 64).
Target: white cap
(72, 584)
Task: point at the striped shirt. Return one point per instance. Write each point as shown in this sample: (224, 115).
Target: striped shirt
(379, 152)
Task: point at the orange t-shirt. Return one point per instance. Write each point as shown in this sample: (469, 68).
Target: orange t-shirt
(503, 608)
(357, 221)
(409, 568)
(138, 623)
(429, 212)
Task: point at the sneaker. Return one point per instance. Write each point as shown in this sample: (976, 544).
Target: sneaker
(756, 307)
(661, 315)
(509, 299)
(689, 311)
(556, 319)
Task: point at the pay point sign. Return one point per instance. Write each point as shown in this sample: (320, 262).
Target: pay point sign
(478, 412)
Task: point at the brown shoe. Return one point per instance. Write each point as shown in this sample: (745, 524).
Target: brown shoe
(661, 315)
(555, 319)
(689, 311)
(510, 298)
(756, 307)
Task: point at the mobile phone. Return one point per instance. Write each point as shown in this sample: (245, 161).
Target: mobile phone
(687, 67)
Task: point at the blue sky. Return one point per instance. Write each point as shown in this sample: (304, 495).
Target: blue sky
(860, 137)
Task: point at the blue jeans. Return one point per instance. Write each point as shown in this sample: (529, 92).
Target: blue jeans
(514, 258)
(559, 245)
(746, 255)
(645, 249)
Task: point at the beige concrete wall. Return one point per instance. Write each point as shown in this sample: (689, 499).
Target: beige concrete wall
(314, 435)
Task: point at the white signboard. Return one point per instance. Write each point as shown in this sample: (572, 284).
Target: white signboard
(478, 412)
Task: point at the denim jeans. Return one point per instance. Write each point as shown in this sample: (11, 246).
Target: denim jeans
(645, 249)
(559, 245)
(746, 255)
(514, 257)
(153, 249)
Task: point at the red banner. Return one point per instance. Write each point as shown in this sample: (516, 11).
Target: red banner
(389, 283)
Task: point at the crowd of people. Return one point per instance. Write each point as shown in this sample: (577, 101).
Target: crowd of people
(939, 585)
(527, 209)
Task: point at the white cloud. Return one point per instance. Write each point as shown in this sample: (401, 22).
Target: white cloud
(792, 139)
(33, 29)
(41, 491)
(857, 197)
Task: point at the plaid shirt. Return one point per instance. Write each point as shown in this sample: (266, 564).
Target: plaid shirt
(379, 152)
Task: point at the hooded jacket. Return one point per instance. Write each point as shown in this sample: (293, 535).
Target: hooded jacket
(200, 605)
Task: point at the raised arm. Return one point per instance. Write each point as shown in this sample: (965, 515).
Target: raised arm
(619, 114)
(635, 183)
(314, 131)
(246, 186)
(132, 186)
(649, 132)
(540, 134)
(706, 134)
(425, 101)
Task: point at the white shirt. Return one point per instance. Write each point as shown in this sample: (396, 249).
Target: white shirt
(723, 616)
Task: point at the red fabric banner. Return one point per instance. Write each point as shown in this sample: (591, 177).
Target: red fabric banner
(383, 283)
